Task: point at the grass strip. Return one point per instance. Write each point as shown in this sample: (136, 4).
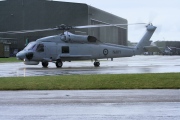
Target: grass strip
(7, 60)
(87, 82)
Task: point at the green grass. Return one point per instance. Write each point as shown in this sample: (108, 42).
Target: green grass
(87, 82)
(6, 60)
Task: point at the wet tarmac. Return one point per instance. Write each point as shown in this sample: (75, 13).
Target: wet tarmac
(136, 64)
(90, 105)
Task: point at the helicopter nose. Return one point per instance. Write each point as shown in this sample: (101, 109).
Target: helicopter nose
(23, 55)
(29, 55)
(20, 55)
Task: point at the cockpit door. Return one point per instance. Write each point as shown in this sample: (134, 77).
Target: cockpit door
(40, 49)
(51, 50)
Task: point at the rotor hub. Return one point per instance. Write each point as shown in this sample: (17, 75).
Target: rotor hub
(63, 27)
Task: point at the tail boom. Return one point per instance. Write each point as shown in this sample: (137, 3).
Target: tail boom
(145, 41)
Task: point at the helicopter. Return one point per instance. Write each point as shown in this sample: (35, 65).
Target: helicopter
(71, 47)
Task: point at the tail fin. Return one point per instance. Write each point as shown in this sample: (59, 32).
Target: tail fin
(145, 39)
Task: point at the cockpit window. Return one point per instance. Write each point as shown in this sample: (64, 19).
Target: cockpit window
(40, 48)
(30, 46)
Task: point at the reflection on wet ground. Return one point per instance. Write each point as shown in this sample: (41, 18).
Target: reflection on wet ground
(136, 64)
(90, 105)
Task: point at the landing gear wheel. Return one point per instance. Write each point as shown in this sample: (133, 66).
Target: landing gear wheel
(59, 64)
(45, 64)
(96, 64)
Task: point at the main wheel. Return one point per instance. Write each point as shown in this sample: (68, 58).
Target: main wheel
(45, 64)
(96, 64)
(59, 64)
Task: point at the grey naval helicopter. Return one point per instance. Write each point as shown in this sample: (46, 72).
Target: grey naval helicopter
(70, 47)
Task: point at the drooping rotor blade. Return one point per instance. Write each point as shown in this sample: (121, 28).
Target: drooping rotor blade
(27, 31)
(103, 25)
(64, 27)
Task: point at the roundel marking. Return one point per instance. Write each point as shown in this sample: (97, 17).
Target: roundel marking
(105, 51)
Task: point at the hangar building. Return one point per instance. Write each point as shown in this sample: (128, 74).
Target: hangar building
(42, 14)
(169, 47)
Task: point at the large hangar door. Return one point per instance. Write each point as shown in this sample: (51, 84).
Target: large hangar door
(122, 36)
(95, 31)
(115, 35)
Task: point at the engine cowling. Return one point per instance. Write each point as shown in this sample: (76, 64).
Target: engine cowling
(78, 38)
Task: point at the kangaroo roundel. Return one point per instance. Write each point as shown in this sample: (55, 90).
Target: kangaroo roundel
(105, 51)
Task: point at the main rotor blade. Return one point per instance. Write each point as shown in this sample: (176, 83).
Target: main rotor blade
(64, 27)
(103, 25)
(27, 31)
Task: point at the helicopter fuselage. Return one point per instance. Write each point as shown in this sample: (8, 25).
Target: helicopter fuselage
(55, 47)
(71, 47)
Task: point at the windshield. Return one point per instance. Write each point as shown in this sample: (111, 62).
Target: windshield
(30, 46)
(40, 48)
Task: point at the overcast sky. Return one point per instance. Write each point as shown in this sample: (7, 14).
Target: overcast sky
(165, 14)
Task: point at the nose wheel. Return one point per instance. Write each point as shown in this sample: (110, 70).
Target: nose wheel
(45, 64)
(96, 64)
